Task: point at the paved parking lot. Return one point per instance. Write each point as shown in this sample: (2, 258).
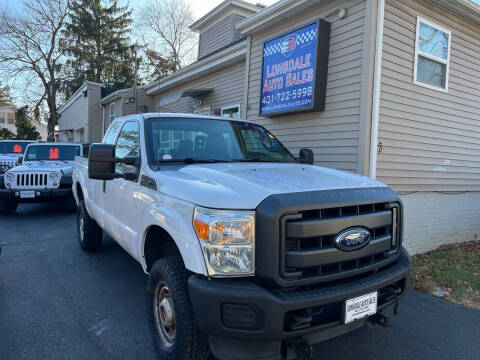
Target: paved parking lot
(56, 302)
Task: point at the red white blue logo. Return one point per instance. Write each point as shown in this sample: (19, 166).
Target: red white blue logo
(288, 45)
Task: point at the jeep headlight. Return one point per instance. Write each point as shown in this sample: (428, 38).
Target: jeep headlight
(53, 176)
(10, 177)
(227, 238)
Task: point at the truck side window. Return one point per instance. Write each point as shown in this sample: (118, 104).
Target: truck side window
(111, 134)
(128, 145)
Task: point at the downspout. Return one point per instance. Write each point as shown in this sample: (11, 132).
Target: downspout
(377, 78)
(103, 119)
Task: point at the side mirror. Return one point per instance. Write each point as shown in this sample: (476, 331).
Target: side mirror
(20, 160)
(306, 156)
(101, 162)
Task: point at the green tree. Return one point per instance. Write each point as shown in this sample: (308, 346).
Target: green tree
(6, 134)
(97, 39)
(25, 129)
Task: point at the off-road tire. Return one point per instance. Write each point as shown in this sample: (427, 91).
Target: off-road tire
(8, 206)
(189, 342)
(92, 233)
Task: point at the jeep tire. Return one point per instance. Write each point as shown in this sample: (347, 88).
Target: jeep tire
(8, 206)
(88, 232)
(172, 325)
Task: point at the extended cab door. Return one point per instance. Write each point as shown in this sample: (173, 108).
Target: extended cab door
(122, 213)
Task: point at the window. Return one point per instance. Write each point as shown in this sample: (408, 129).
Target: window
(432, 55)
(111, 135)
(128, 145)
(232, 111)
(112, 112)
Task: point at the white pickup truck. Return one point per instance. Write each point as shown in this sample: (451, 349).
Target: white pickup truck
(45, 175)
(250, 252)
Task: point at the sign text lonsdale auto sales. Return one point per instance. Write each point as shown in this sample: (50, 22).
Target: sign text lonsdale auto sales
(295, 70)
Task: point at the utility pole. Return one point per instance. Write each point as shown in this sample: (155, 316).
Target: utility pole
(135, 78)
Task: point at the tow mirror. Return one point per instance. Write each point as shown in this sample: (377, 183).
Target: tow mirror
(306, 156)
(102, 160)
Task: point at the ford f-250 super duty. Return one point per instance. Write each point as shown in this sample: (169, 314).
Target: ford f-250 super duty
(250, 252)
(44, 175)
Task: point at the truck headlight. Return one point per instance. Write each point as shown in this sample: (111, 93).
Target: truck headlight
(53, 176)
(10, 177)
(227, 238)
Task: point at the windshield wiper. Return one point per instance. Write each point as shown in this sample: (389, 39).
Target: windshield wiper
(258, 160)
(193, 161)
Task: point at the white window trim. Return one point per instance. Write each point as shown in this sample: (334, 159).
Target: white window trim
(230, 107)
(432, 57)
(112, 106)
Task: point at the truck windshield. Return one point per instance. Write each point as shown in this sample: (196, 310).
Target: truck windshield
(53, 152)
(196, 140)
(13, 147)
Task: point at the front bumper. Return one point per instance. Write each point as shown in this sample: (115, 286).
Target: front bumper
(237, 313)
(41, 195)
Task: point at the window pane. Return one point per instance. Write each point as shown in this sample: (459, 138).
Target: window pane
(431, 72)
(233, 113)
(11, 117)
(128, 145)
(433, 41)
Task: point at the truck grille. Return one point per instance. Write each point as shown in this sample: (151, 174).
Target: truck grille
(5, 166)
(31, 180)
(307, 241)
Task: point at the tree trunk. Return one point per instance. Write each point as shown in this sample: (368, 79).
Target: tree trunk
(52, 119)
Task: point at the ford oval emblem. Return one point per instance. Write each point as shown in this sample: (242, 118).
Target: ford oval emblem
(352, 239)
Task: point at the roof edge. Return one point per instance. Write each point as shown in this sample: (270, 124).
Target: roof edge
(76, 94)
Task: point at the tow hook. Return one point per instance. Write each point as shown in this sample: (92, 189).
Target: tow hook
(380, 319)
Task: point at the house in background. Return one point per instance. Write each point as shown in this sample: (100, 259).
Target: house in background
(7, 120)
(86, 115)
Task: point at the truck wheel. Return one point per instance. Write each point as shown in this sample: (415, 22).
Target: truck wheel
(8, 206)
(172, 325)
(88, 232)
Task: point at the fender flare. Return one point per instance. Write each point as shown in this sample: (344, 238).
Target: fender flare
(163, 215)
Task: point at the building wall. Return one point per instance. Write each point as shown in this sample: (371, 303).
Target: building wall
(216, 37)
(74, 117)
(94, 133)
(7, 118)
(227, 85)
(333, 134)
(430, 139)
(434, 219)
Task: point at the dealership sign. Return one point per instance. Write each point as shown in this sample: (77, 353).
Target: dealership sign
(294, 76)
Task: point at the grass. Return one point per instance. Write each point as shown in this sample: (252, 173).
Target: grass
(455, 270)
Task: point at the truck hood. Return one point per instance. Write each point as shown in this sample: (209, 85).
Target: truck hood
(54, 166)
(246, 185)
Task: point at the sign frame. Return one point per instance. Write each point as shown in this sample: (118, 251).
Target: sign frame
(320, 69)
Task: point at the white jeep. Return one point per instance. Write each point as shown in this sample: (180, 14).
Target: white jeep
(45, 175)
(250, 252)
(11, 154)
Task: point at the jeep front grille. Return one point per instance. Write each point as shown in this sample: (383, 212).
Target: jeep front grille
(307, 241)
(31, 180)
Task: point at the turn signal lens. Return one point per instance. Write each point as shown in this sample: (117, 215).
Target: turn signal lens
(201, 228)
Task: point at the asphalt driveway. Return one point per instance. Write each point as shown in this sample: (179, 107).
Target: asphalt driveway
(56, 302)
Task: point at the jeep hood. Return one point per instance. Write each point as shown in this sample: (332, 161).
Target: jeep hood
(10, 157)
(54, 166)
(246, 185)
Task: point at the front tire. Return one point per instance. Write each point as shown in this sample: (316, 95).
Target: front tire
(8, 206)
(172, 325)
(88, 232)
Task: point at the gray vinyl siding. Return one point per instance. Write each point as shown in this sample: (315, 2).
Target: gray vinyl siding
(95, 115)
(75, 116)
(333, 134)
(227, 85)
(219, 35)
(430, 139)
